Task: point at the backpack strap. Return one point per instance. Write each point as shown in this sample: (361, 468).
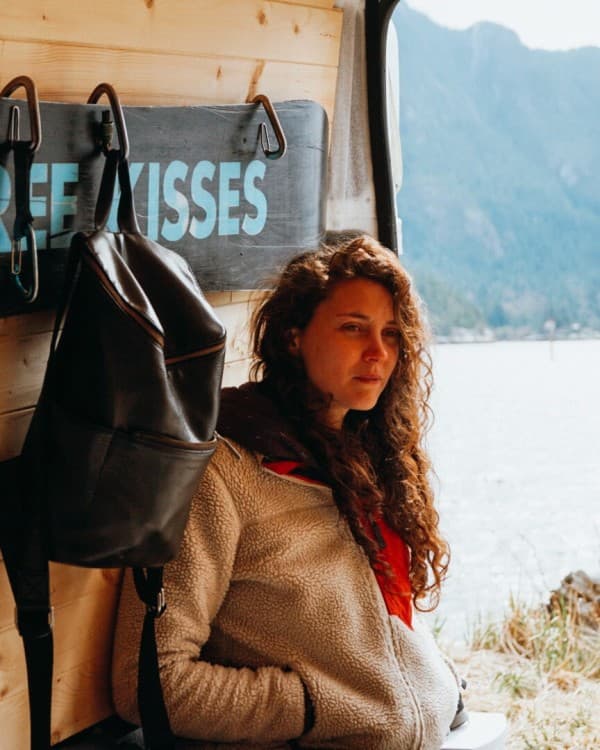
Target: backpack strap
(27, 567)
(116, 166)
(34, 622)
(153, 712)
(25, 551)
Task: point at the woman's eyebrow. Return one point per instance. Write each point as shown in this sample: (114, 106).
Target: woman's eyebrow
(362, 316)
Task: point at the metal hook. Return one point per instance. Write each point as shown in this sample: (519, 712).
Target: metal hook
(275, 124)
(34, 111)
(117, 110)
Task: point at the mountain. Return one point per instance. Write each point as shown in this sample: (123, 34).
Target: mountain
(500, 202)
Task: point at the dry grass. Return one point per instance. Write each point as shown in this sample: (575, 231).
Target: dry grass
(541, 667)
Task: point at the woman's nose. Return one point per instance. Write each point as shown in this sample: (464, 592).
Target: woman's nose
(375, 350)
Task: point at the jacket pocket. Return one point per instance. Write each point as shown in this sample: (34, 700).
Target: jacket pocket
(309, 710)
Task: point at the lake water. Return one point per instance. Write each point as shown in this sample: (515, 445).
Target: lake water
(516, 450)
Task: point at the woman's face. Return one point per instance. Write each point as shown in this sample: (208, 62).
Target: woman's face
(350, 347)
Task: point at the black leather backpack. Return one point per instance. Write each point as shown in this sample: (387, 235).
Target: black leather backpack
(121, 434)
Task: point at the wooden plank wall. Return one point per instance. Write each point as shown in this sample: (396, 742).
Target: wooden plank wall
(153, 52)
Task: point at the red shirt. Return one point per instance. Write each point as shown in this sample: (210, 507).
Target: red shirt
(396, 590)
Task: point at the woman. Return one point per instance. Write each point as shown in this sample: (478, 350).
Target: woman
(313, 533)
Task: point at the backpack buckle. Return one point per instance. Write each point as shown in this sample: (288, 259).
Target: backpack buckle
(34, 622)
(157, 607)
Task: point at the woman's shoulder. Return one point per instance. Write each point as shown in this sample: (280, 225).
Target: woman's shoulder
(231, 457)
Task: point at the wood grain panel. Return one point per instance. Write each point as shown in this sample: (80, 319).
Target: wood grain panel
(236, 28)
(313, 3)
(236, 373)
(218, 299)
(69, 73)
(13, 428)
(81, 697)
(24, 347)
(22, 365)
(27, 325)
(67, 583)
(235, 319)
(77, 704)
(85, 607)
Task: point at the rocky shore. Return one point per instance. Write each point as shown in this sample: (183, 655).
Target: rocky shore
(541, 667)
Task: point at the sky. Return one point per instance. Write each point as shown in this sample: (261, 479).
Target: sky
(541, 24)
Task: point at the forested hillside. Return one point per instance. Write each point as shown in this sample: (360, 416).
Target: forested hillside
(501, 197)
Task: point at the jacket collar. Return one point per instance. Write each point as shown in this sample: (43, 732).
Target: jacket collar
(249, 416)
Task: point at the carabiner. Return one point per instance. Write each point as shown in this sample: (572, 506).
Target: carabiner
(275, 124)
(115, 104)
(23, 152)
(33, 105)
(16, 259)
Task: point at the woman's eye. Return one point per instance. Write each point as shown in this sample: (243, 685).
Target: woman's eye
(351, 327)
(392, 333)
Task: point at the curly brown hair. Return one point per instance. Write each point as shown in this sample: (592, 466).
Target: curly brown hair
(376, 463)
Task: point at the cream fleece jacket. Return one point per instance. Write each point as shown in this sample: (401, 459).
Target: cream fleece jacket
(270, 595)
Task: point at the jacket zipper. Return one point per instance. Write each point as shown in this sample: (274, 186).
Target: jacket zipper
(387, 625)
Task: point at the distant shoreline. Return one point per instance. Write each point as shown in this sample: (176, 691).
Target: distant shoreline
(491, 336)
